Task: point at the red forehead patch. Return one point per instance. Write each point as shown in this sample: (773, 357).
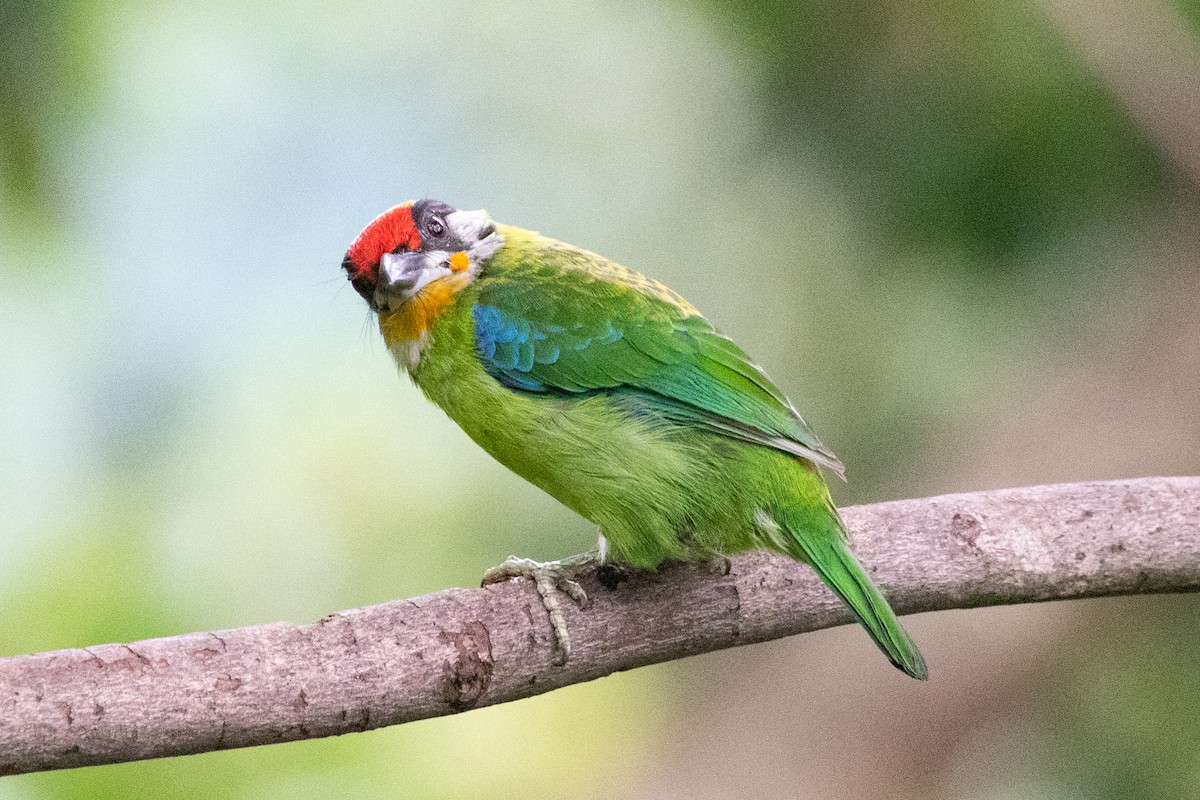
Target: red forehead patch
(392, 229)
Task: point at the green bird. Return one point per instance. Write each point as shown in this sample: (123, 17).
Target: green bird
(614, 395)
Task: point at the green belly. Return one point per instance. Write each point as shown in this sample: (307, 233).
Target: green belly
(656, 489)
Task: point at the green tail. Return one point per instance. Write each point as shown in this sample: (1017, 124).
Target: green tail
(828, 552)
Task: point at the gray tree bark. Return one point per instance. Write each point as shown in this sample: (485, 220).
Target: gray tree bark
(460, 649)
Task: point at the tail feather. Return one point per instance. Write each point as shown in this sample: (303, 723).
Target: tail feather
(828, 552)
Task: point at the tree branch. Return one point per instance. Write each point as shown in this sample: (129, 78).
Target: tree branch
(463, 648)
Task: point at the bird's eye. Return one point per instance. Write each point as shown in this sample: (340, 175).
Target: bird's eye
(436, 227)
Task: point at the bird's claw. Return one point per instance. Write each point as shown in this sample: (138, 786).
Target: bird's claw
(551, 578)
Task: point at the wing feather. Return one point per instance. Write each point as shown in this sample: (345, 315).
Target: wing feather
(575, 330)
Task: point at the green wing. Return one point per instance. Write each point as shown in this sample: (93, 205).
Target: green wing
(576, 324)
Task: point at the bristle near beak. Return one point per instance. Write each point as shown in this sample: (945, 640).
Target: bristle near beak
(362, 280)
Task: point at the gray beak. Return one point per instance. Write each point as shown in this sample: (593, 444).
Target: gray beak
(402, 275)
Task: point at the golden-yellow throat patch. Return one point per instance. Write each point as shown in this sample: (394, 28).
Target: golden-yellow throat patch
(410, 322)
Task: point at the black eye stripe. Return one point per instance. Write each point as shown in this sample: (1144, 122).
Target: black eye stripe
(430, 218)
(424, 209)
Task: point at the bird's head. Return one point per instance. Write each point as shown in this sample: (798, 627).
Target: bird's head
(408, 247)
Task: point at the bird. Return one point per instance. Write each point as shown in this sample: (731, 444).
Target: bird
(613, 394)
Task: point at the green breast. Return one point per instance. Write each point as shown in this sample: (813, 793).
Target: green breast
(657, 486)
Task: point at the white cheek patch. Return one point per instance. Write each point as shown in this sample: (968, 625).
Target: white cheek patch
(484, 249)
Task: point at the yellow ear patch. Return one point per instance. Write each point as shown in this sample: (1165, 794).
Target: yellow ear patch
(459, 261)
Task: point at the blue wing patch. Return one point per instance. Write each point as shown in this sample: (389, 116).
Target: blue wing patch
(678, 367)
(511, 346)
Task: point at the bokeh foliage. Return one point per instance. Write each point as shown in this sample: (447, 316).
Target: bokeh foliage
(974, 125)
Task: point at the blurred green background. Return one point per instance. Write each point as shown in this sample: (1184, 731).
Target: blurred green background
(962, 236)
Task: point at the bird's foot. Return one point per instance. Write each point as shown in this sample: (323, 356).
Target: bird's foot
(551, 579)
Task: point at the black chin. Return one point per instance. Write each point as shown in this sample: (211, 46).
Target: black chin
(366, 288)
(360, 280)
